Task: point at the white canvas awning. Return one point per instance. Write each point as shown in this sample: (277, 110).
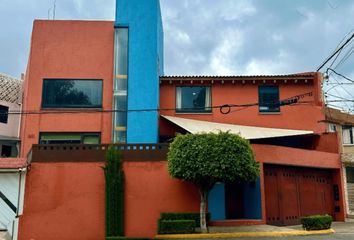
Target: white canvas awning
(248, 132)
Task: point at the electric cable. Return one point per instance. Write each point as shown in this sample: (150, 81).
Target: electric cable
(224, 109)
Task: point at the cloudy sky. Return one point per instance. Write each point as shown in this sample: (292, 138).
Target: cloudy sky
(208, 37)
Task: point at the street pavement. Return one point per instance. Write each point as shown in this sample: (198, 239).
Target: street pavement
(344, 231)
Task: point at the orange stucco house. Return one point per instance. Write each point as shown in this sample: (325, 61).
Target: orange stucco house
(82, 94)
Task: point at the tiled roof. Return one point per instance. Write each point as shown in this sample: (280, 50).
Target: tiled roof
(305, 74)
(251, 78)
(13, 163)
(338, 116)
(10, 89)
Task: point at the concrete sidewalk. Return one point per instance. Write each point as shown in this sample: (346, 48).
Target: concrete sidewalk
(254, 228)
(248, 231)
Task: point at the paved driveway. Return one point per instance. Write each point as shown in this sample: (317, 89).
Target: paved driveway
(344, 231)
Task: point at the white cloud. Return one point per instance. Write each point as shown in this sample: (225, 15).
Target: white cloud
(235, 10)
(276, 37)
(182, 37)
(263, 67)
(223, 59)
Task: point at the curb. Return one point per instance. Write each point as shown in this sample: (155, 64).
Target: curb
(244, 234)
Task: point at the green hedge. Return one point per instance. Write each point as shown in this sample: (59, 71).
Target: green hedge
(114, 189)
(176, 226)
(316, 222)
(184, 216)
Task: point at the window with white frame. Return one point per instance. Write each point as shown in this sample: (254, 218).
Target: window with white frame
(347, 134)
(332, 127)
(196, 99)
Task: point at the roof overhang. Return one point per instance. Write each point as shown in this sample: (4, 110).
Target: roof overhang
(13, 164)
(8, 138)
(247, 132)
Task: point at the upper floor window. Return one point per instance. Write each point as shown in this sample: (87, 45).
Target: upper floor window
(67, 93)
(193, 99)
(350, 174)
(6, 151)
(268, 99)
(347, 131)
(332, 127)
(4, 110)
(69, 138)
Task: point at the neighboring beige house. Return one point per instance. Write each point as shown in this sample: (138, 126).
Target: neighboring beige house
(10, 101)
(343, 123)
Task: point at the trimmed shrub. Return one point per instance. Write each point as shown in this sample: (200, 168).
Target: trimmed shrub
(175, 226)
(316, 222)
(184, 216)
(114, 177)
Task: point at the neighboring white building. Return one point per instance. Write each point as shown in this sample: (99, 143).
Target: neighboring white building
(12, 169)
(10, 101)
(343, 124)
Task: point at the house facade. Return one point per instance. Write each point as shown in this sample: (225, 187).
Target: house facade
(92, 83)
(10, 101)
(79, 80)
(343, 123)
(268, 111)
(12, 168)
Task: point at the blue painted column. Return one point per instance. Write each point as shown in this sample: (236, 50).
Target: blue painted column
(252, 200)
(216, 202)
(145, 65)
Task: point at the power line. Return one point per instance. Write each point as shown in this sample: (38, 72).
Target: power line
(339, 83)
(345, 57)
(341, 100)
(224, 109)
(331, 95)
(341, 49)
(341, 61)
(339, 74)
(343, 88)
(344, 100)
(333, 54)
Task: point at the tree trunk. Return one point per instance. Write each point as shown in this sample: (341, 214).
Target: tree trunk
(203, 201)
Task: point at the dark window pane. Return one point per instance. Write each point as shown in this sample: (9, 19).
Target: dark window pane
(6, 151)
(4, 114)
(60, 93)
(350, 174)
(269, 99)
(69, 138)
(193, 99)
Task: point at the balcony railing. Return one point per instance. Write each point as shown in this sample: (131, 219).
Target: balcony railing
(96, 153)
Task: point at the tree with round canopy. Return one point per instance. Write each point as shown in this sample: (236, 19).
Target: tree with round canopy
(207, 158)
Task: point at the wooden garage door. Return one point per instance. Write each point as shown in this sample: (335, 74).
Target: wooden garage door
(294, 192)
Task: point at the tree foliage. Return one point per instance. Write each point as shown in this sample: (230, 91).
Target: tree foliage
(207, 158)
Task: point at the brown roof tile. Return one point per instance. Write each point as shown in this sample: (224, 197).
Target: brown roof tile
(13, 163)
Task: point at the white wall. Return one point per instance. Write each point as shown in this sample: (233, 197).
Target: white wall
(12, 185)
(11, 129)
